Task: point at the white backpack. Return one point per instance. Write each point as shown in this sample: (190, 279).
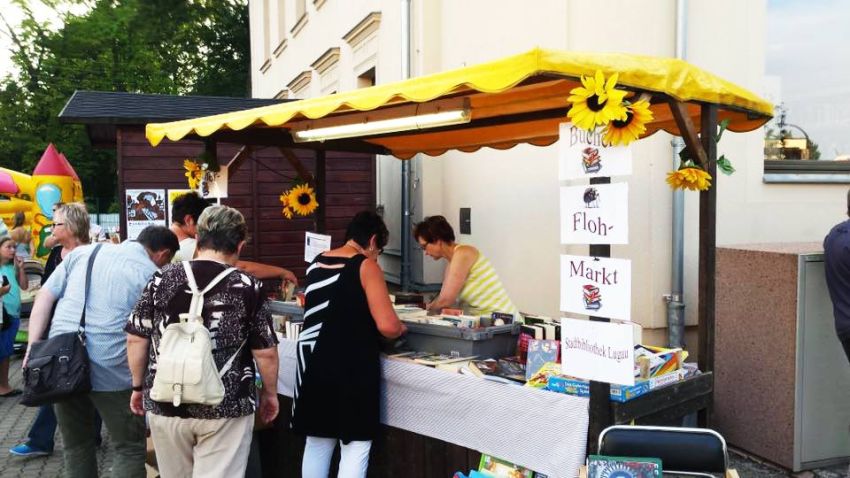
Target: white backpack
(185, 369)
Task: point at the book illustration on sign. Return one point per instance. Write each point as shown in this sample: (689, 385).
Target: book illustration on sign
(591, 160)
(592, 297)
(601, 466)
(591, 198)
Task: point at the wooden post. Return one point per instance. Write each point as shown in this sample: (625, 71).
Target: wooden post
(321, 191)
(707, 244)
(707, 241)
(600, 416)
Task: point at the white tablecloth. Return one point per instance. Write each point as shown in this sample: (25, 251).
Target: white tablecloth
(544, 431)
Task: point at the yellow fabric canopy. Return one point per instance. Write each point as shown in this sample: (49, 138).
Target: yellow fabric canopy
(523, 85)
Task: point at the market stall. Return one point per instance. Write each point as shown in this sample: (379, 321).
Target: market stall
(519, 99)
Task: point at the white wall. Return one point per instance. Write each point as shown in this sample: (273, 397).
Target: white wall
(514, 194)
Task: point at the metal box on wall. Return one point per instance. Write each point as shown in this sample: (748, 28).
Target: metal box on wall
(781, 376)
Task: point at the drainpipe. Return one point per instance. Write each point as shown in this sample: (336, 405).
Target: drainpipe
(675, 300)
(406, 226)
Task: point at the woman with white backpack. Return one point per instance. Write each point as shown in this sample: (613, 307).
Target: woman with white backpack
(192, 339)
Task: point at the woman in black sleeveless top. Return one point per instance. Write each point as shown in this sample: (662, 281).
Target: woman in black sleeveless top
(337, 381)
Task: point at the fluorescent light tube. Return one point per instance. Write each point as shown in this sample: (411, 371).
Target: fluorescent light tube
(407, 123)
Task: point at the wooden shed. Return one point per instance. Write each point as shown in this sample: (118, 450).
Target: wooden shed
(116, 120)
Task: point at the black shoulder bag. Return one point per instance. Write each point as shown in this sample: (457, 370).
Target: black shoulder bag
(58, 367)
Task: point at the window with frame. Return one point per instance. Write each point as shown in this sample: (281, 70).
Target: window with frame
(807, 71)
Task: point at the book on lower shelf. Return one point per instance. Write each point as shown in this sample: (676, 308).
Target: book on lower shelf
(619, 393)
(602, 466)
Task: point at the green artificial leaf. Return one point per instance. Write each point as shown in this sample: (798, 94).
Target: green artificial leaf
(721, 128)
(725, 166)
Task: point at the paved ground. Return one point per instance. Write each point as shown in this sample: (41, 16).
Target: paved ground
(15, 420)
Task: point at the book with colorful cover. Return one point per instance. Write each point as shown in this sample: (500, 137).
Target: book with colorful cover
(437, 359)
(495, 467)
(602, 466)
(540, 352)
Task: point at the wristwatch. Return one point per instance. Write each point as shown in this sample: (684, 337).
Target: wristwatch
(138, 388)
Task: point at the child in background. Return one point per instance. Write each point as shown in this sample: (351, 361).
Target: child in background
(14, 279)
(22, 237)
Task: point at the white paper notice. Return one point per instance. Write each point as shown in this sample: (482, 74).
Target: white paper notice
(595, 214)
(601, 351)
(315, 244)
(144, 207)
(596, 286)
(214, 184)
(584, 155)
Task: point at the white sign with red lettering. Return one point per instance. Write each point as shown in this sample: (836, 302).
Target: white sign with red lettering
(596, 286)
(595, 214)
(584, 154)
(600, 351)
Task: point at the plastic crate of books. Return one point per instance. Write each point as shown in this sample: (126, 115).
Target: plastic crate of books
(496, 341)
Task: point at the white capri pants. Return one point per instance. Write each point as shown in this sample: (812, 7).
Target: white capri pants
(353, 462)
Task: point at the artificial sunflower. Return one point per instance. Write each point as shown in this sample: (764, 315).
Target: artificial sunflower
(302, 200)
(596, 102)
(193, 173)
(689, 177)
(284, 200)
(632, 127)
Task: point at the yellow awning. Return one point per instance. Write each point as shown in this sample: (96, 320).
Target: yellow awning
(518, 99)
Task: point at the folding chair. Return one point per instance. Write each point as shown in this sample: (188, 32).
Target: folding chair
(684, 451)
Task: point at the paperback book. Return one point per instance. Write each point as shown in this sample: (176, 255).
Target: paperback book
(602, 466)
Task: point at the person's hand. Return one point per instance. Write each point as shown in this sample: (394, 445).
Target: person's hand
(19, 261)
(288, 276)
(403, 329)
(5, 289)
(137, 405)
(269, 407)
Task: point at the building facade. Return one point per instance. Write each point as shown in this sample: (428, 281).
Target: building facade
(308, 48)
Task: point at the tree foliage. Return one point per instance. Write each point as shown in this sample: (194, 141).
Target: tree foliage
(142, 46)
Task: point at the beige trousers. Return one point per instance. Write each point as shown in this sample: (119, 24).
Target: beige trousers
(192, 447)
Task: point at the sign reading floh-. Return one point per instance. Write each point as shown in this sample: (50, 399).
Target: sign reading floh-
(595, 214)
(601, 351)
(596, 286)
(583, 154)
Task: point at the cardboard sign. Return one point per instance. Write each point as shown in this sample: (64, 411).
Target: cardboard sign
(144, 207)
(595, 214)
(596, 286)
(601, 351)
(583, 154)
(315, 244)
(214, 184)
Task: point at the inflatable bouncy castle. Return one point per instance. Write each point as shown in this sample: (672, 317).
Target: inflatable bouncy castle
(53, 180)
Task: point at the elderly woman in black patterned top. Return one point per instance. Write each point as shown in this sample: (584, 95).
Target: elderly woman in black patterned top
(193, 439)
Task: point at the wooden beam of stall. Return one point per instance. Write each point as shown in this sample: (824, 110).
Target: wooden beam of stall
(296, 164)
(707, 251)
(239, 159)
(689, 132)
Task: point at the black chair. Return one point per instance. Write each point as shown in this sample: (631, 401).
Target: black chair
(684, 451)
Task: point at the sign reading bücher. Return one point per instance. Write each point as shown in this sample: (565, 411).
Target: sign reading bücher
(600, 287)
(595, 214)
(601, 351)
(584, 154)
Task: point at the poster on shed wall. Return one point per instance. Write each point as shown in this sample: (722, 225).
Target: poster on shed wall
(144, 207)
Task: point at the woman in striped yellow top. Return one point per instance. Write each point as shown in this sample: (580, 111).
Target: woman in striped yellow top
(469, 278)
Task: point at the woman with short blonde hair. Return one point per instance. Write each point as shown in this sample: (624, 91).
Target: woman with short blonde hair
(76, 220)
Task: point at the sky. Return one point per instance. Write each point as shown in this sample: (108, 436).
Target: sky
(808, 57)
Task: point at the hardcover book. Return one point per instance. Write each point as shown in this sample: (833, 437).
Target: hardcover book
(601, 466)
(540, 352)
(502, 469)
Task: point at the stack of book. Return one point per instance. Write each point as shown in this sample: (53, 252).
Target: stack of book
(592, 297)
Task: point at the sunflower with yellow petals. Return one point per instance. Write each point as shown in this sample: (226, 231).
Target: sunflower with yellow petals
(302, 200)
(596, 102)
(193, 173)
(284, 200)
(623, 132)
(689, 177)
